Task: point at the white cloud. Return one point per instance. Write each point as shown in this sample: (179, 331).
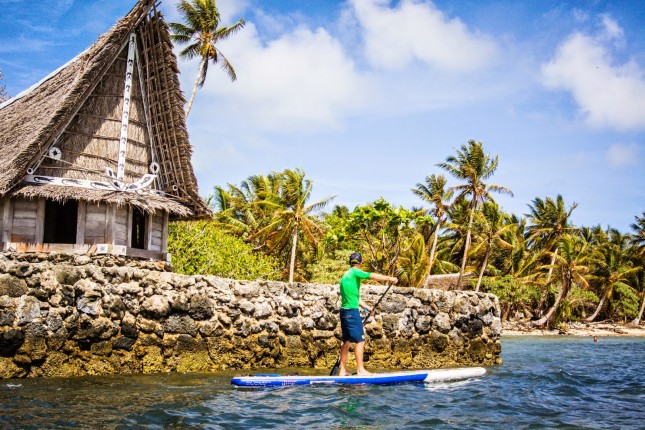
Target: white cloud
(620, 155)
(608, 95)
(611, 28)
(231, 11)
(300, 81)
(298, 78)
(418, 31)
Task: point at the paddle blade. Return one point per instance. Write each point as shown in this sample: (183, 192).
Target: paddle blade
(336, 368)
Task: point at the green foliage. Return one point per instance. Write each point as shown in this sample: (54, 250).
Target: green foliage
(329, 270)
(382, 230)
(514, 295)
(336, 231)
(273, 212)
(577, 302)
(624, 302)
(201, 247)
(414, 263)
(540, 266)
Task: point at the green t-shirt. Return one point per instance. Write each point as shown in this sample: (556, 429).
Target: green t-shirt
(350, 285)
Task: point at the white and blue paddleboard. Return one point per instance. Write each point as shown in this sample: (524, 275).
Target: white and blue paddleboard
(435, 375)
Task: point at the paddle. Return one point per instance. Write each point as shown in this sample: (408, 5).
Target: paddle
(336, 368)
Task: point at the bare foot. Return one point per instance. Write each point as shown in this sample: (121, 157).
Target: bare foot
(364, 373)
(344, 373)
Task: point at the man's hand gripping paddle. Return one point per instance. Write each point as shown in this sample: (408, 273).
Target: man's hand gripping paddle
(336, 368)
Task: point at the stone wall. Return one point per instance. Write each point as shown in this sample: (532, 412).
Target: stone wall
(64, 315)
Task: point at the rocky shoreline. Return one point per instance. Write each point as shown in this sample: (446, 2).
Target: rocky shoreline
(582, 329)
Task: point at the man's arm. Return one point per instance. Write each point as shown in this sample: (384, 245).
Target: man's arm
(383, 278)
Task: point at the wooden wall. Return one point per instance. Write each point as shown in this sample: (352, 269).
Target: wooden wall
(156, 233)
(95, 229)
(28, 219)
(120, 233)
(22, 221)
(104, 224)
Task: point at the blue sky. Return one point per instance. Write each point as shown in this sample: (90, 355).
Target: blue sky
(367, 96)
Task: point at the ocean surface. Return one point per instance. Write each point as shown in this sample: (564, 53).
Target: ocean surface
(545, 382)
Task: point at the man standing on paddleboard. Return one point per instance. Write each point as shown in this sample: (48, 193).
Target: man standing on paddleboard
(350, 317)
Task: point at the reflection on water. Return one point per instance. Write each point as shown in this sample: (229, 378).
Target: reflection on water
(558, 382)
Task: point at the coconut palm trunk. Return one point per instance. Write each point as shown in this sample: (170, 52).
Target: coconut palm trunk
(553, 257)
(548, 279)
(433, 250)
(484, 265)
(637, 320)
(466, 247)
(564, 291)
(294, 245)
(598, 308)
(195, 86)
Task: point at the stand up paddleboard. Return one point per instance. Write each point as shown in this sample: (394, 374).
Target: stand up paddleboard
(270, 380)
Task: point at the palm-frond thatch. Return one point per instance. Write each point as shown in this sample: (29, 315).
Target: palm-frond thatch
(69, 125)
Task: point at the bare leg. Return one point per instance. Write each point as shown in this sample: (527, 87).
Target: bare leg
(344, 352)
(358, 351)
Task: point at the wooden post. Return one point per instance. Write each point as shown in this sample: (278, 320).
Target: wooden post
(7, 220)
(125, 114)
(164, 233)
(129, 227)
(80, 224)
(147, 238)
(110, 219)
(39, 235)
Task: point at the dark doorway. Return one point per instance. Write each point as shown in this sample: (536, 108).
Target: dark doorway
(61, 219)
(138, 229)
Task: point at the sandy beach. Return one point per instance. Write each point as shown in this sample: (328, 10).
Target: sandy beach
(574, 329)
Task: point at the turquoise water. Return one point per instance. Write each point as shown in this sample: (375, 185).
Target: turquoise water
(545, 382)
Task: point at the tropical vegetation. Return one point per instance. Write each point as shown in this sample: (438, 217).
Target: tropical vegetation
(544, 269)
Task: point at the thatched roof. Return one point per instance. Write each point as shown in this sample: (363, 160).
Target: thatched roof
(448, 281)
(68, 126)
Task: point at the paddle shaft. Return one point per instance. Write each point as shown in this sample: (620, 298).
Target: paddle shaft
(334, 369)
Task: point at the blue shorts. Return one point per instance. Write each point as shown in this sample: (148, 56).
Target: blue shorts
(351, 325)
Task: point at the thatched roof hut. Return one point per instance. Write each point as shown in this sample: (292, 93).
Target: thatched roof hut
(105, 133)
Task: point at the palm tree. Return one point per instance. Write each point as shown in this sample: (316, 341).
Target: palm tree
(570, 266)
(491, 225)
(549, 221)
(291, 214)
(638, 240)
(202, 33)
(434, 192)
(474, 167)
(239, 209)
(413, 262)
(612, 269)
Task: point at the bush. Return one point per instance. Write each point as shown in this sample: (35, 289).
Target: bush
(624, 303)
(514, 295)
(330, 270)
(201, 248)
